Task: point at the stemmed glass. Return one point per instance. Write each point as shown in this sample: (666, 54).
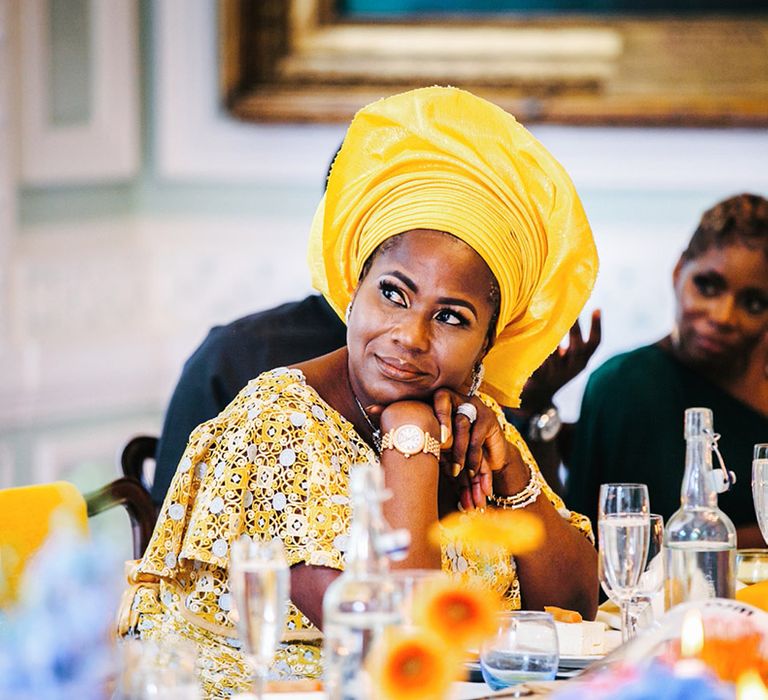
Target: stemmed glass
(760, 486)
(624, 527)
(259, 580)
(651, 583)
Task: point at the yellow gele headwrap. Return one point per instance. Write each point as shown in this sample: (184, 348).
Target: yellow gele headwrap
(443, 159)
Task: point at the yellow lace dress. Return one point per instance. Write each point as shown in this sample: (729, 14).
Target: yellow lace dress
(274, 463)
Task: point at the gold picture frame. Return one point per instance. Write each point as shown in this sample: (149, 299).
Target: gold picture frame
(299, 61)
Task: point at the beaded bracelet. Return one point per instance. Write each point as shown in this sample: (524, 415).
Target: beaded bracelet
(523, 498)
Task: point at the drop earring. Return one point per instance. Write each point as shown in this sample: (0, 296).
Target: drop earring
(478, 371)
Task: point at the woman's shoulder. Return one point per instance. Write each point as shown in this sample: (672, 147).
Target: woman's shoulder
(283, 395)
(276, 387)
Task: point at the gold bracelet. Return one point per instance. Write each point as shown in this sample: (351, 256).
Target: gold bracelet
(523, 498)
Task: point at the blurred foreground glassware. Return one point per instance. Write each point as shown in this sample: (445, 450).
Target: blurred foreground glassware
(259, 579)
(624, 527)
(407, 582)
(524, 648)
(363, 601)
(153, 670)
(760, 486)
(751, 566)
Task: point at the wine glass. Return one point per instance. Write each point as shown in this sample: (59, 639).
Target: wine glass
(644, 605)
(259, 580)
(760, 486)
(524, 648)
(623, 523)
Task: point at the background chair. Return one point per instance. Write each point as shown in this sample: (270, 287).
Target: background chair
(131, 494)
(26, 511)
(137, 459)
(25, 522)
(28, 514)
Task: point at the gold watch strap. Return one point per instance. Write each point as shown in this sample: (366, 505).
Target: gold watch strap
(431, 444)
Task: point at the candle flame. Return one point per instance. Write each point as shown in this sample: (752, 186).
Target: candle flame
(750, 687)
(692, 634)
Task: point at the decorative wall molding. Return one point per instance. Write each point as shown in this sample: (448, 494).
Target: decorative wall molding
(59, 455)
(6, 467)
(195, 138)
(106, 147)
(101, 324)
(7, 180)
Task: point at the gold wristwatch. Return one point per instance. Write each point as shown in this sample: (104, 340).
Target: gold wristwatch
(410, 439)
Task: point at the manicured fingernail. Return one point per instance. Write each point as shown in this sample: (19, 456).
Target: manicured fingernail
(456, 469)
(444, 433)
(471, 473)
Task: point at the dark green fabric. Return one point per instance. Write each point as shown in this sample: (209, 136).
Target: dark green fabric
(631, 430)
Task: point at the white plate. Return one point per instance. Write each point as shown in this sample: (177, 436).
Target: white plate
(579, 661)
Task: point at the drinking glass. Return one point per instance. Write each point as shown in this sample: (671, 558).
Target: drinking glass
(259, 580)
(524, 648)
(407, 583)
(760, 486)
(751, 566)
(623, 523)
(151, 670)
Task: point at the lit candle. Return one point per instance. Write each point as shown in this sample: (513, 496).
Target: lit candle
(750, 687)
(692, 634)
(691, 644)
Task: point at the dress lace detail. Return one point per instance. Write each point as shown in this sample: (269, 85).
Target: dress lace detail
(274, 463)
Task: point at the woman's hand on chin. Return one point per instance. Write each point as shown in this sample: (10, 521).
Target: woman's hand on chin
(472, 450)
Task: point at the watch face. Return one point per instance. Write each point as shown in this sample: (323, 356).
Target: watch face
(408, 439)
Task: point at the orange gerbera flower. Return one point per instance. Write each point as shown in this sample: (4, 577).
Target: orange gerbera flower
(515, 531)
(461, 613)
(411, 664)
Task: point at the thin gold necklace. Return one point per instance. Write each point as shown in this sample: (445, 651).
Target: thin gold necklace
(375, 432)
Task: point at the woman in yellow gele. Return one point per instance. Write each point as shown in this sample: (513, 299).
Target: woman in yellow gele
(458, 251)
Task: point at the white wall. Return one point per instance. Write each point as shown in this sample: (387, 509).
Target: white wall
(109, 280)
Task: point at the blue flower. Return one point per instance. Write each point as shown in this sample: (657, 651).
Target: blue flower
(55, 642)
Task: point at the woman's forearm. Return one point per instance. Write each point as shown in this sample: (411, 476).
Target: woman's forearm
(562, 571)
(413, 482)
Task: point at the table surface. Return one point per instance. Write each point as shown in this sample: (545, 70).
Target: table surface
(462, 690)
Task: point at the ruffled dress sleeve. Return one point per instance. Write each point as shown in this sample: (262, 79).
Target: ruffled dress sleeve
(274, 464)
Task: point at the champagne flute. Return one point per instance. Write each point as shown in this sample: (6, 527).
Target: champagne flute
(647, 596)
(760, 486)
(624, 529)
(259, 579)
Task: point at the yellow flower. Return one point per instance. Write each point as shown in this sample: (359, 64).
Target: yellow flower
(461, 613)
(412, 664)
(515, 531)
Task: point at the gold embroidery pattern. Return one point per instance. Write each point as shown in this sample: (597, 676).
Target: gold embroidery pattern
(274, 463)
